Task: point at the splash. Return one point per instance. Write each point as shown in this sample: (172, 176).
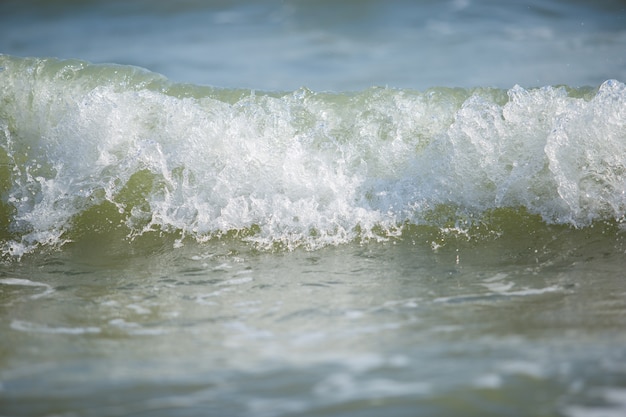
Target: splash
(104, 149)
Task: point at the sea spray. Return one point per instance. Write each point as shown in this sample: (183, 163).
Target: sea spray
(117, 148)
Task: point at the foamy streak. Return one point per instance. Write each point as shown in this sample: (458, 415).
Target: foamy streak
(300, 168)
(26, 326)
(28, 283)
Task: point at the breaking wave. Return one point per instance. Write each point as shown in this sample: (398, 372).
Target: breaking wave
(116, 149)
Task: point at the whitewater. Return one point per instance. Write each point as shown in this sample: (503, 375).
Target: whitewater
(133, 150)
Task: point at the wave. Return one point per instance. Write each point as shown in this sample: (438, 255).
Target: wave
(116, 148)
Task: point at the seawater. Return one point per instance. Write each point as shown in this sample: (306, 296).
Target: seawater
(347, 45)
(221, 240)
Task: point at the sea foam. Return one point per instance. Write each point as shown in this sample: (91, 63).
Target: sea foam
(84, 144)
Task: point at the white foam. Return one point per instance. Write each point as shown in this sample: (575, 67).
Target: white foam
(488, 381)
(237, 281)
(347, 386)
(615, 397)
(531, 369)
(304, 168)
(496, 285)
(29, 327)
(138, 309)
(136, 328)
(28, 283)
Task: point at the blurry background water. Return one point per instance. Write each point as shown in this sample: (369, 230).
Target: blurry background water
(332, 45)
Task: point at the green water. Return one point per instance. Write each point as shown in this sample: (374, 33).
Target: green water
(528, 323)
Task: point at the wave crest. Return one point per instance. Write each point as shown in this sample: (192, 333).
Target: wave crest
(83, 146)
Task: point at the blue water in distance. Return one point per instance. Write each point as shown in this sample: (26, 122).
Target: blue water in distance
(331, 45)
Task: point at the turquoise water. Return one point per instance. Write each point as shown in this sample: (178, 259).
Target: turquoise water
(332, 45)
(312, 208)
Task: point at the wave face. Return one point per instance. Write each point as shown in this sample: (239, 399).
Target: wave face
(105, 147)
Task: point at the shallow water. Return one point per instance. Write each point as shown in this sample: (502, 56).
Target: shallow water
(528, 324)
